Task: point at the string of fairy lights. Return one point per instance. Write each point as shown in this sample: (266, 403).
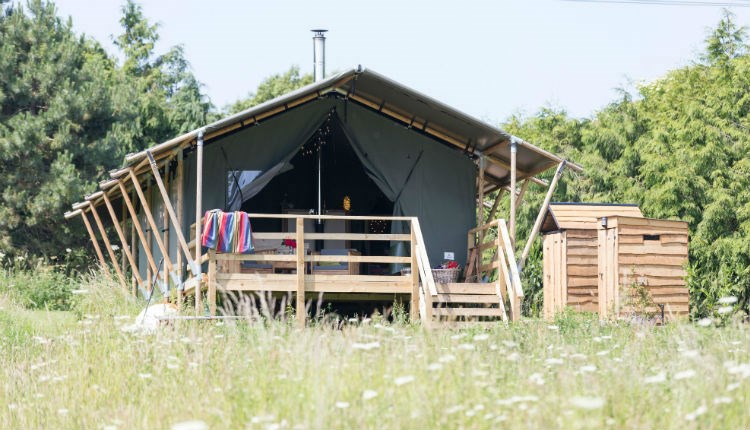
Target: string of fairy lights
(319, 139)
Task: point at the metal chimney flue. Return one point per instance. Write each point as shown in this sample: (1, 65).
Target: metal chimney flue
(319, 54)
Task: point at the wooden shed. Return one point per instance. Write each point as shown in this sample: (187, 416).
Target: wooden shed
(608, 258)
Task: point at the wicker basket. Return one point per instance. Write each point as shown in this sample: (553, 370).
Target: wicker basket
(441, 276)
(446, 276)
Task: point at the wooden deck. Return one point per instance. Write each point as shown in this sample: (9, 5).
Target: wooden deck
(428, 301)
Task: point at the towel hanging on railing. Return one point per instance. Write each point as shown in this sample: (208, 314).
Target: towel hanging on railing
(228, 232)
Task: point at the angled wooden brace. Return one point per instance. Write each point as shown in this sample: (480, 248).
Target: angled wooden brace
(124, 242)
(154, 228)
(138, 228)
(172, 216)
(541, 214)
(110, 251)
(521, 192)
(94, 242)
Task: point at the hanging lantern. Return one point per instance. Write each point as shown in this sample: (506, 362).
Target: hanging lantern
(347, 203)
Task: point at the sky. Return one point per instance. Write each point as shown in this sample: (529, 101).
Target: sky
(490, 59)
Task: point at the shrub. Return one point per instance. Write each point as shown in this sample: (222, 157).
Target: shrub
(37, 287)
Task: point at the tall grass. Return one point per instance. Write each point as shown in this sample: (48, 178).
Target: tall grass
(79, 370)
(36, 285)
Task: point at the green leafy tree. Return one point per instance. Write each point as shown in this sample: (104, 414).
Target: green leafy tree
(679, 148)
(727, 41)
(272, 87)
(167, 96)
(69, 114)
(57, 126)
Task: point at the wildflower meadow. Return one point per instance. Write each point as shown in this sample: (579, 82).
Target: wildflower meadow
(79, 369)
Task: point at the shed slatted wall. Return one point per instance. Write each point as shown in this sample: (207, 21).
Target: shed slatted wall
(582, 279)
(553, 277)
(654, 253)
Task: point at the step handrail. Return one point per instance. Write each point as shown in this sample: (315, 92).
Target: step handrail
(423, 261)
(510, 271)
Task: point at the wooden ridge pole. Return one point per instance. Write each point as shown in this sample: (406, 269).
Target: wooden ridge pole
(152, 224)
(107, 244)
(171, 213)
(139, 230)
(540, 216)
(124, 241)
(95, 243)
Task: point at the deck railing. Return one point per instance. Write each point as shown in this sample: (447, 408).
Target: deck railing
(224, 273)
(491, 256)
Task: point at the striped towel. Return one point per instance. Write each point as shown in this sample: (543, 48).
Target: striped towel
(210, 235)
(244, 234)
(228, 232)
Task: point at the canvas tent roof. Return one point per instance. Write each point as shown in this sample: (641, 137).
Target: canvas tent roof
(415, 110)
(564, 216)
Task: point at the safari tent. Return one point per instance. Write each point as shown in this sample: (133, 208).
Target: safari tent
(365, 175)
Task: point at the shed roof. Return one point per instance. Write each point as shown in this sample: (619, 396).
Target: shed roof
(412, 108)
(584, 216)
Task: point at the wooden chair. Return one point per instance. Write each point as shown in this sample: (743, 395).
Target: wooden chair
(340, 268)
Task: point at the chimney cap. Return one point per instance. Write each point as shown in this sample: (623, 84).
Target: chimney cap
(319, 31)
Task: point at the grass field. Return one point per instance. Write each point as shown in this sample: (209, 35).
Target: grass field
(79, 370)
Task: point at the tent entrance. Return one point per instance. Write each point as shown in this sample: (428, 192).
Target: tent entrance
(295, 191)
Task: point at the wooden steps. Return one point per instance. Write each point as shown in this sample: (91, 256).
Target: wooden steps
(466, 304)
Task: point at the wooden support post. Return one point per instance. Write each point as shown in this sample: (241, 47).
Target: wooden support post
(211, 295)
(180, 218)
(414, 305)
(301, 311)
(480, 216)
(139, 230)
(123, 259)
(493, 211)
(428, 307)
(150, 218)
(521, 193)
(165, 222)
(541, 214)
(198, 213)
(471, 256)
(98, 250)
(170, 211)
(514, 277)
(107, 244)
(123, 241)
(513, 175)
(149, 237)
(480, 193)
(133, 247)
(502, 283)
